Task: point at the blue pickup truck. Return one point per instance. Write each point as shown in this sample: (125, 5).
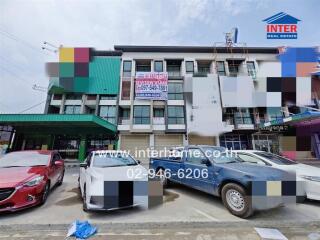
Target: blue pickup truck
(208, 169)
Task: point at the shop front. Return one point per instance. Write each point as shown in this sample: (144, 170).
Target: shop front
(72, 135)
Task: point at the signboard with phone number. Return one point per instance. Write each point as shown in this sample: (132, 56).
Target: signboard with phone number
(151, 85)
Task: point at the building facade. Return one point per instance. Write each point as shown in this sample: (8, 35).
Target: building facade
(235, 97)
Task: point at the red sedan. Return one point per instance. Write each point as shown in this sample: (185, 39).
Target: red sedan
(26, 178)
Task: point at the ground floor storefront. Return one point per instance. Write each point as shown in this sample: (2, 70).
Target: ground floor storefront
(72, 135)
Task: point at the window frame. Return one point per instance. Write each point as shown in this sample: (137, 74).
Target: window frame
(108, 116)
(186, 64)
(73, 109)
(126, 72)
(155, 110)
(175, 93)
(140, 119)
(224, 68)
(155, 63)
(175, 119)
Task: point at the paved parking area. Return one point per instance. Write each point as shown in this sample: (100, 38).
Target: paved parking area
(181, 204)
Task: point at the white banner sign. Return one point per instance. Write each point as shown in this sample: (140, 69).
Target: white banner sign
(151, 85)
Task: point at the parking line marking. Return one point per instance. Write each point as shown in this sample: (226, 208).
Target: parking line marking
(129, 234)
(206, 215)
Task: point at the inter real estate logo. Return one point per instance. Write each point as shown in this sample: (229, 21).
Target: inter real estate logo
(282, 26)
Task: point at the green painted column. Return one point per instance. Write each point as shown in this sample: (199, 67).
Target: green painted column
(82, 148)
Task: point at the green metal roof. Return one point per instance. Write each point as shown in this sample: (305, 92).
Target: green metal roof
(103, 77)
(54, 122)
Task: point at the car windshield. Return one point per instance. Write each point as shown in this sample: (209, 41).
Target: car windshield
(275, 158)
(219, 155)
(102, 160)
(24, 159)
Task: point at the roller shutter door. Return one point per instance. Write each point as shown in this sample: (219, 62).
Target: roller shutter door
(168, 141)
(199, 140)
(135, 142)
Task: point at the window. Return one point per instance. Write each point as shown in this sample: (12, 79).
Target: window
(174, 68)
(143, 66)
(91, 97)
(175, 91)
(57, 97)
(189, 67)
(127, 66)
(233, 70)
(69, 109)
(125, 114)
(275, 158)
(158, 66)
(158, 112)
(220, 68)
(108, 97)
(235, 141)
(108, 113)
(204, 67)
(74, 97)
(125, 94)
(251, 69)
(243, 116)
(195, 156)
(275, 113)
(141, 115)
(250, 159)
(175, 115)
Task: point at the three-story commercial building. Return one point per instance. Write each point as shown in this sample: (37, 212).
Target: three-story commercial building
(237, 97)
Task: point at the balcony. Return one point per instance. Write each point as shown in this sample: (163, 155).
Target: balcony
(158, 121)
(241, 123)
(174, 69)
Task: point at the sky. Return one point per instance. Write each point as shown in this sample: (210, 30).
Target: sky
(25, 25)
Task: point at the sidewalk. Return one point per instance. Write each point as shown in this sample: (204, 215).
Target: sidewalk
(174, 230)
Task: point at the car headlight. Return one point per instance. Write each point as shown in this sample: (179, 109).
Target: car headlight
(311, 178)
(34, 181)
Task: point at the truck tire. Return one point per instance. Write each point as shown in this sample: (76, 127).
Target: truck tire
(236, 200)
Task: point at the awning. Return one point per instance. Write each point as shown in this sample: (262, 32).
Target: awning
(58, 123)
(306, 118)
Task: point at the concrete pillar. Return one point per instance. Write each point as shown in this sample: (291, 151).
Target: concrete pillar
(83, 106)
(63, 101)
(151, 141)
(82, 148)
(185, 139)
(217, 140)
(96, 112)
(118, 143)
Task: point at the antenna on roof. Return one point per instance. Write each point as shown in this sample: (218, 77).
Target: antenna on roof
(231, 37)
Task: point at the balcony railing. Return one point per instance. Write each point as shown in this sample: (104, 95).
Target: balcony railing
(174, 71)
(158, 121)
(124, 121)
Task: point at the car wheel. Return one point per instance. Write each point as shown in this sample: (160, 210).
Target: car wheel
(84, 199)
(162, 177)
(236, 200)
(45, 193)
(60, 181)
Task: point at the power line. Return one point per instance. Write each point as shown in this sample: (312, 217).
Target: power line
(36, 105)
(13, 37)
(16, 76)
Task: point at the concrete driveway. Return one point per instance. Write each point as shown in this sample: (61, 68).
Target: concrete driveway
(181, 204)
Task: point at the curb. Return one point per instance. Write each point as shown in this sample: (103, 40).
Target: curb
(165, 225)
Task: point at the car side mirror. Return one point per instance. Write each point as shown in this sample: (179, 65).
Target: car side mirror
(206, 162)
(83, 165)
(138, 161)
(58, 162)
